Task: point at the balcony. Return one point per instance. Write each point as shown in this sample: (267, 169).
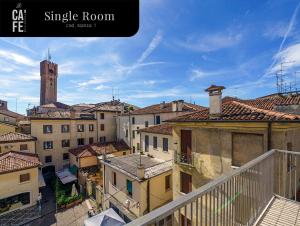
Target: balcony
(184, 158)
(262, 192)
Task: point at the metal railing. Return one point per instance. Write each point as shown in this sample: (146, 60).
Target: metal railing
(184, 158)
(236, 198)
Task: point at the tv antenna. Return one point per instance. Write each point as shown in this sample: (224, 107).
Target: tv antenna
(282, 79)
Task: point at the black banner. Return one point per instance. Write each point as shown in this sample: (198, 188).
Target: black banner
(69, 18)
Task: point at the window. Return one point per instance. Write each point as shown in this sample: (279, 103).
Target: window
(157, 119)
(124, 152)
(165, 144)
(102, 127)
(91, 127)
(133, 134)
(80, 128)
(126, 134)
(65, 143)
(185, 182)
(154, 142)
(24, 177)
(65, 128)
(138, 146)
(23, 147)
(102, 139)
(129, 187)
(80, 141)
(101, 115)
(133, 120)
(48, 145)
(6, 119)
(65, 156)
(48, 159)
(146, 143)
(168, 182)
(13, 202)
(133, 149)
(137, 130)
(91, 140)
(47, 128)
(146, 124)
(114, 179)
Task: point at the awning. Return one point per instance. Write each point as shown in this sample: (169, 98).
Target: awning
(41, 180)
(65, 176)
(106, 218)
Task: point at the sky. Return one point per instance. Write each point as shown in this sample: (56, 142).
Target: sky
(181, 48)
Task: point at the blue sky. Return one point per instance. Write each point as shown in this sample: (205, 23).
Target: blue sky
(181, 48)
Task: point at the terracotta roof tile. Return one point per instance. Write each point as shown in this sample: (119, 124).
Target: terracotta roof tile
(15, 161)
(156, 108)
(159, 129)
(99, 148)
(238, 111)
(14, 137)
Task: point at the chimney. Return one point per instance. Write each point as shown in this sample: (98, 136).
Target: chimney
(174, 105)
(141, 171)
(162, 105)
(72, 113)
(215, 100)
(180, 105)
(3, 105)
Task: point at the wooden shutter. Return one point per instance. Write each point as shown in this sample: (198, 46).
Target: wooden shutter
(186, 142)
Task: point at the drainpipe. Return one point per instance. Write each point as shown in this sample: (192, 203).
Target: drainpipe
(269, 135)
(148, 196)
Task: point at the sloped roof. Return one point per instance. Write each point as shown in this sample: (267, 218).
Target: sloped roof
(56, 105)
(14, 137)
(15, 161)
(167, 107)
(12, 114)
(100, 148)
(238, 111)
(165, 129)
(114, 106)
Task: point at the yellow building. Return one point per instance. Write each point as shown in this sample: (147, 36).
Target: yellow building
(136, 184)
(157, 141)
(7, 127)
(86, 160)
(19, 183)
(17, 142)
(59, 132)
(230, 133)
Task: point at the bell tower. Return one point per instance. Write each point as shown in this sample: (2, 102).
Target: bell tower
(48, 72)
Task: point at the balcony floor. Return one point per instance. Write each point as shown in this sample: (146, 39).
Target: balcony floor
(281, 211)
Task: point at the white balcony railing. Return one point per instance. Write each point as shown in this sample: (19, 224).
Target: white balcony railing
(237, 198)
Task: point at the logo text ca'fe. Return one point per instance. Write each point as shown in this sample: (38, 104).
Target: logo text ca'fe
(19, 19)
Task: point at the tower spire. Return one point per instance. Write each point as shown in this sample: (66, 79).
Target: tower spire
(49, 55)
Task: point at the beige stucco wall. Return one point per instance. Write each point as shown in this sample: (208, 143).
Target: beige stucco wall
(5, 147)
(212, 147)
(110, 125)
(6, 118)
(57, 136)
(123, 124)
(88, 161)
(158, 153)
(10, 185)
(158, 195)
(5, 128)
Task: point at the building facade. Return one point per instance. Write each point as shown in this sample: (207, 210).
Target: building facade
(55, 136)
(19, 183)
(130, 123)
(133, 190)
(17, 142)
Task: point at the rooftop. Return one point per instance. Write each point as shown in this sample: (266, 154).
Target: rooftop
(99, 148)
(14, 137)
(166, 108)
(12, 114)
(165, 129)
(113, 106)
(128, 164)
(15, 161)
(235, 110)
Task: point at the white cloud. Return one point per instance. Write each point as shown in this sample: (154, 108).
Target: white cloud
(276, 30)
(198, 74)
(17, 58)
(94, 81)
(102, 87)
(17, 42)
(211, 42)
